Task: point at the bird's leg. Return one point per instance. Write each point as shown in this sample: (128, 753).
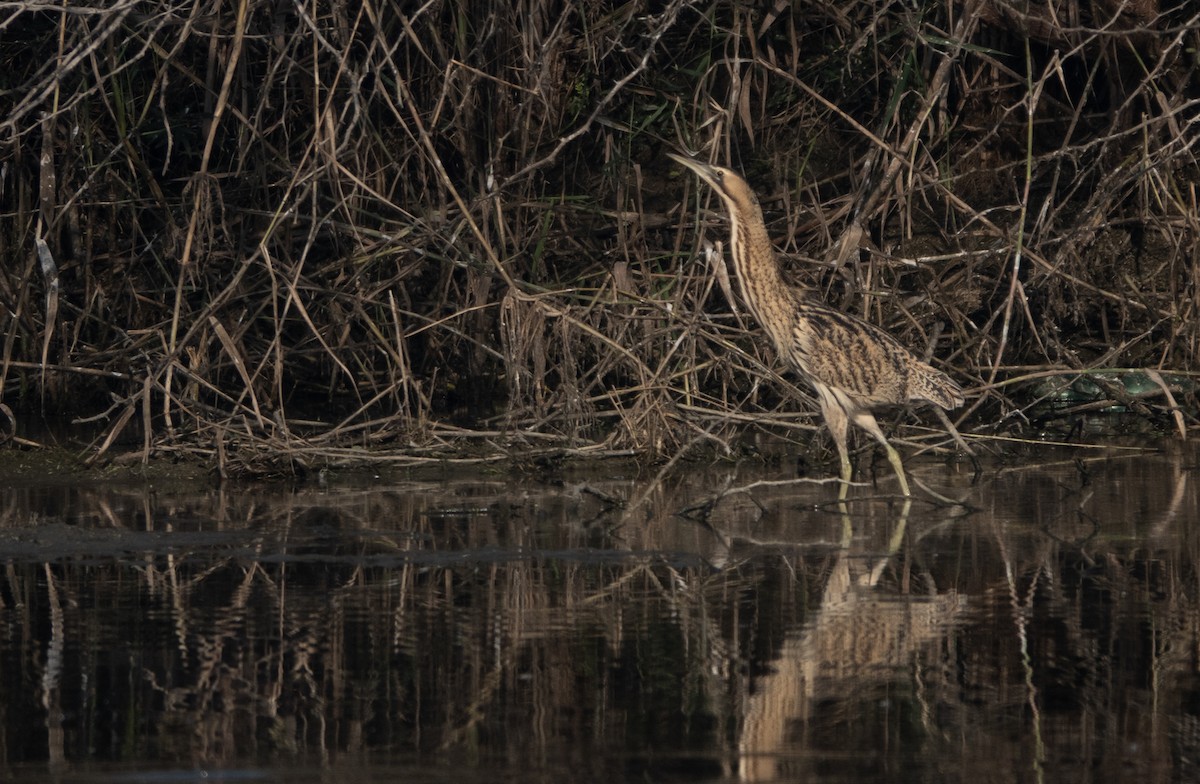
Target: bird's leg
(866, 420)
(894, 458)
(847, 472)
(838, 423)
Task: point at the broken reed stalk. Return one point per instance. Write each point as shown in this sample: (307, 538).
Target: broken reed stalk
(421, 231)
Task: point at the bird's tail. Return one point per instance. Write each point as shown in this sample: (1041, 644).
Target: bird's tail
(929, 383)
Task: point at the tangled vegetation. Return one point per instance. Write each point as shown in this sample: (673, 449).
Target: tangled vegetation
(289, 233)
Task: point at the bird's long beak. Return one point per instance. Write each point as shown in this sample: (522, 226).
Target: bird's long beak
(703, 169)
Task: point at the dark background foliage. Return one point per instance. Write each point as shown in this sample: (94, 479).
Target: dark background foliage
(269, 228)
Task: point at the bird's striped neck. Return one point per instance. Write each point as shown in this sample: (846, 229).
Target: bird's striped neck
(757, 268)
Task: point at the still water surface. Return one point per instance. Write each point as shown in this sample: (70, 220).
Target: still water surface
(715, 623)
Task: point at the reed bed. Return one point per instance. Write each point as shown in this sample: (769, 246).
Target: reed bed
(279, 235)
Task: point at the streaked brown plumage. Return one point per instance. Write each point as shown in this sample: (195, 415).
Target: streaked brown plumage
(853, 365)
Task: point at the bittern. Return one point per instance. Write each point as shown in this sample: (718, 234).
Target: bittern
(853, 365)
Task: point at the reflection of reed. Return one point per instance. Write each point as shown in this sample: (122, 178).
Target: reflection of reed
(488, 625)
(313, 625)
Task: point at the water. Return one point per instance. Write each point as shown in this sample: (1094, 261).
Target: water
(715, 623)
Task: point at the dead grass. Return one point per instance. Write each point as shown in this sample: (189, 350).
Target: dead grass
(277, 235)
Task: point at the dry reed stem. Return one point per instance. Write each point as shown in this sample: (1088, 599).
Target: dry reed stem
(299, 228)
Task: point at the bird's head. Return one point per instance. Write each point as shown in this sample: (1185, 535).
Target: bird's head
(734, 191)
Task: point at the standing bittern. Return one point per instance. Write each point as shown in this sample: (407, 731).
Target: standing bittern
(854, 366)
